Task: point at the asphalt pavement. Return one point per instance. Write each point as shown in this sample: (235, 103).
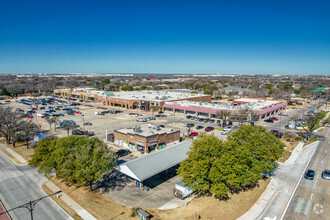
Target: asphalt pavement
(19, 184)
(312, 198)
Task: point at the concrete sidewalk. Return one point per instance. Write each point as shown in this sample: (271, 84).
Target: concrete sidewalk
(14, 154)
(273, 201)
(84, 214)
(70, 202)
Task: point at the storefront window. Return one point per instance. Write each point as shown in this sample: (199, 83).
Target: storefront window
(161, 146)
(131, 146)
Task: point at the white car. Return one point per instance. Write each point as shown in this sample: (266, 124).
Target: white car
(134, 116)
(225, 131)
(41, 114)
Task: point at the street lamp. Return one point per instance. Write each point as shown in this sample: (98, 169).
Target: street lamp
(30, 205)
(83, 121)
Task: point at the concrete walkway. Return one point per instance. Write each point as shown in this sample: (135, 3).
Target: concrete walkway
(14, 154)
(84, 214)
(272, 203)
(70, 202)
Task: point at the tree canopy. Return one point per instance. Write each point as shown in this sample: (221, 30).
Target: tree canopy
(223, 167)
(75, 159)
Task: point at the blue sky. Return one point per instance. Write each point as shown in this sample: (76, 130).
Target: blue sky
(165, 36)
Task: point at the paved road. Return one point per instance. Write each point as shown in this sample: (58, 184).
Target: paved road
(18, 185)
(312, 198)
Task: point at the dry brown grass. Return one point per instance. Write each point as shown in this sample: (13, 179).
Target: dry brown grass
(20, 149)
(62, 204)
(212, 208)
(290, 146)
(11, 157)
(95, 203)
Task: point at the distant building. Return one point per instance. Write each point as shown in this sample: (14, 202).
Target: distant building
(256, 108)
(140, 99)
(146, 138)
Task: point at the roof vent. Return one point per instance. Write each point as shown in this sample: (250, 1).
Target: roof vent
(137, 128)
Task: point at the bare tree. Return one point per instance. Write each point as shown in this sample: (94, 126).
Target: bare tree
(68, 126)
(51, 120)
(312, 124)
(9, 123)
(30, 129)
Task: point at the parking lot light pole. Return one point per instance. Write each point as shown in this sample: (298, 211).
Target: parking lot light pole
(83, 121)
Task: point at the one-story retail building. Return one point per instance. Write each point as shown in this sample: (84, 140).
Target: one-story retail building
(139, 99)
(253, 108)
(146, 138)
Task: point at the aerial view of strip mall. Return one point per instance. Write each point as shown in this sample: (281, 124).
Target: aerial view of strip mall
(164, 110)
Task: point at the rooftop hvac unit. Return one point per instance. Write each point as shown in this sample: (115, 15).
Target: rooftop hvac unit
(156, 97)
(151, 132)
(137, 128)
(200, 103)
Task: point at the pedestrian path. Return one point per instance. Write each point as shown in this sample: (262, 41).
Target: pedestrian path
(14, 154)
(70, 202)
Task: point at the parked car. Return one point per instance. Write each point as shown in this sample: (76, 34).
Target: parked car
(78, 112)
(193, 134)
(188, 117)
(283, 114)
(309, 174)
(141, 120)
(87, 123)
(277, 133)
(212, 120)
(29, 116)
(122, 152)
(162, 126)
(269, 120)
(160, 112)
(209, 129)
(225, 131)
(60, 114)
(199, 127)
(326, 174)
(274, 118)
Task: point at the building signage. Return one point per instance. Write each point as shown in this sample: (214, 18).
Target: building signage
(152, 143)
(141, 143)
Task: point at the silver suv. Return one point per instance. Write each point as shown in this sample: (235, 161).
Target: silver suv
(326, 174)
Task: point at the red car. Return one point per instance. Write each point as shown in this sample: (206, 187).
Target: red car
(274, 118)
(209, 129)
(193, 134)
(43, 117)
(29, 116)
(78, 112)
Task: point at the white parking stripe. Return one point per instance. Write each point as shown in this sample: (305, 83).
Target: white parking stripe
(312, 196)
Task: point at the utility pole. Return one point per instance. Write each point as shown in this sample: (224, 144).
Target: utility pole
(83, 121)
(30, 205)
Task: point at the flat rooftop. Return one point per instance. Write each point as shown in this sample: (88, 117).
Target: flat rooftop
(252, 104)
(146, 130)
(147, 95)
(153, 95)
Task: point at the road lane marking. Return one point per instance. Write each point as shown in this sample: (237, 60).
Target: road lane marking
(312, 196)
(322, 162)
(326, 151)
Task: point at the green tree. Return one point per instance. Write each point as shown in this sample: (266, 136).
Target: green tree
(223, 167)
(105, 82)
(75, 159)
